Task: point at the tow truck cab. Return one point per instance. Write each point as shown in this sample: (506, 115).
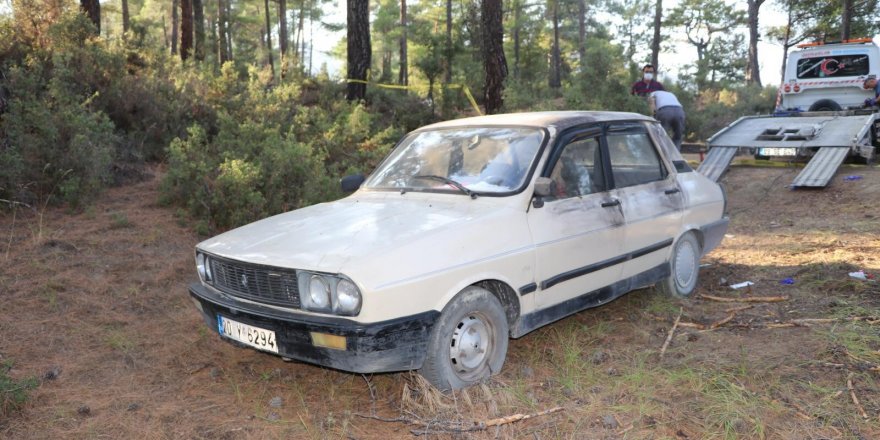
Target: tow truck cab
(829, 76)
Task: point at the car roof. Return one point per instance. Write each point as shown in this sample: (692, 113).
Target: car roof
(559, 119)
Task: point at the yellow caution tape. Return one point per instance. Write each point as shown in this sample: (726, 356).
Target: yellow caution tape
(463, 87)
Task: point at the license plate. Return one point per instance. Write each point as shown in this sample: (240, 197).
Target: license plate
(778, 152)
(247, 334)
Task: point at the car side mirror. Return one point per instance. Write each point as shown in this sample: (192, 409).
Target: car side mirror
(352, 183)
(543, 186)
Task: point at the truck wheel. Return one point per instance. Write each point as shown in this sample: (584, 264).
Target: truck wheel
(684, 265)
(469, 341)
(825, 105)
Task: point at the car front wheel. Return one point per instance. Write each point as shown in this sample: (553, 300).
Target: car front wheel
(469, 341)
(684, 265)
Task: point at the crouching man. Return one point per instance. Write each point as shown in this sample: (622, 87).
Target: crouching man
(666, 109)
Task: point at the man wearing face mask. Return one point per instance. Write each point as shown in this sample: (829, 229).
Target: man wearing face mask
(646, 85)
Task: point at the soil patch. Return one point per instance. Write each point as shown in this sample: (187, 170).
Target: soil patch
(94, 304)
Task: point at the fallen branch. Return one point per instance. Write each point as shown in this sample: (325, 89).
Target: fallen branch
(669, 336)
(806, 322)
(739, 309)
(692, 325)
(753, 299)
(14, 203)
(798, 410)
(717, 324)
(518, 417)
(453, 427)
(852, 393)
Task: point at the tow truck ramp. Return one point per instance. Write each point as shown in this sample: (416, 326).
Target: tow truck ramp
(821, 167)
(716, 162)
(829, 137)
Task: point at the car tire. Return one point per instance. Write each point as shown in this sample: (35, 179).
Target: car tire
(825, 105)
(469, 341)
(684, 267)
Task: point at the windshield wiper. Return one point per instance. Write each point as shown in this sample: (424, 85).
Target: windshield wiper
(449, 181)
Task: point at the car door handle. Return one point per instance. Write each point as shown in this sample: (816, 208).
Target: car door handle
(614, 202)
(671, 191)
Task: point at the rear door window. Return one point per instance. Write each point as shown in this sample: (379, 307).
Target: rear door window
(634, 160)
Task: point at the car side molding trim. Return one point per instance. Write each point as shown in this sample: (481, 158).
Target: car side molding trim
(527, 289)
(598, 297)
(581, 271)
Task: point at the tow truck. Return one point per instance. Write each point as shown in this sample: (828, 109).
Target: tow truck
(820, 115)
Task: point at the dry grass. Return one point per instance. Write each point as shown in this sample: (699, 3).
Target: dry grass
(100, 296)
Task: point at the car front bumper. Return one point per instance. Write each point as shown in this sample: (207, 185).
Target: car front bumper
(394, 345)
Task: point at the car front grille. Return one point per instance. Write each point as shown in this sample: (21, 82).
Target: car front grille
(264, 284)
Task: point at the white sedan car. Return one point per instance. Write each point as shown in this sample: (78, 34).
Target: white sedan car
(470, 232)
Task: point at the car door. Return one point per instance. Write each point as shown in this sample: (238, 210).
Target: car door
(649, 196)
(578, 230)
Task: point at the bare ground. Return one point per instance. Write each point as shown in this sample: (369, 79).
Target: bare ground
(95, 305)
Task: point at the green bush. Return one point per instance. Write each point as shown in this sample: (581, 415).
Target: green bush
(714, 109)
(258, 165)
(14, 393)
(55, 145)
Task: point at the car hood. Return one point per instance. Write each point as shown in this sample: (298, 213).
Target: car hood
(327, 236)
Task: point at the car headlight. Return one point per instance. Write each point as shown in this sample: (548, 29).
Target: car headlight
(328, 293)
(348, 298)
(201, 267)
(319, 293)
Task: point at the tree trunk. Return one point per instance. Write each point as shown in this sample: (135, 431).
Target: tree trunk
(229, 30)
(175, 25)
(555, 81)
(126, 18)
(358, 46)
(186, 29)
(222, 54)
(92, 9)
(785, 46)
(517, 9)
(496, 65)
(846, 19)
(297, 34)
(655, 43)
(301, 44)
(403, 75)
(165, 32)
(582, 30)
(215, 42)
(282, 33)
(753, 71)
(269, 38)
(448, 71)
(199, 28)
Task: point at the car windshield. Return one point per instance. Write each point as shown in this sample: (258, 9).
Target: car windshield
(468, 160)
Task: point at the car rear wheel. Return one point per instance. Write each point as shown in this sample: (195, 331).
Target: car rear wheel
(684, 265)
(469, 341)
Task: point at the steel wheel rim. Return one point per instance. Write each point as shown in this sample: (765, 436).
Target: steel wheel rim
(685, 264)
(471, 345)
